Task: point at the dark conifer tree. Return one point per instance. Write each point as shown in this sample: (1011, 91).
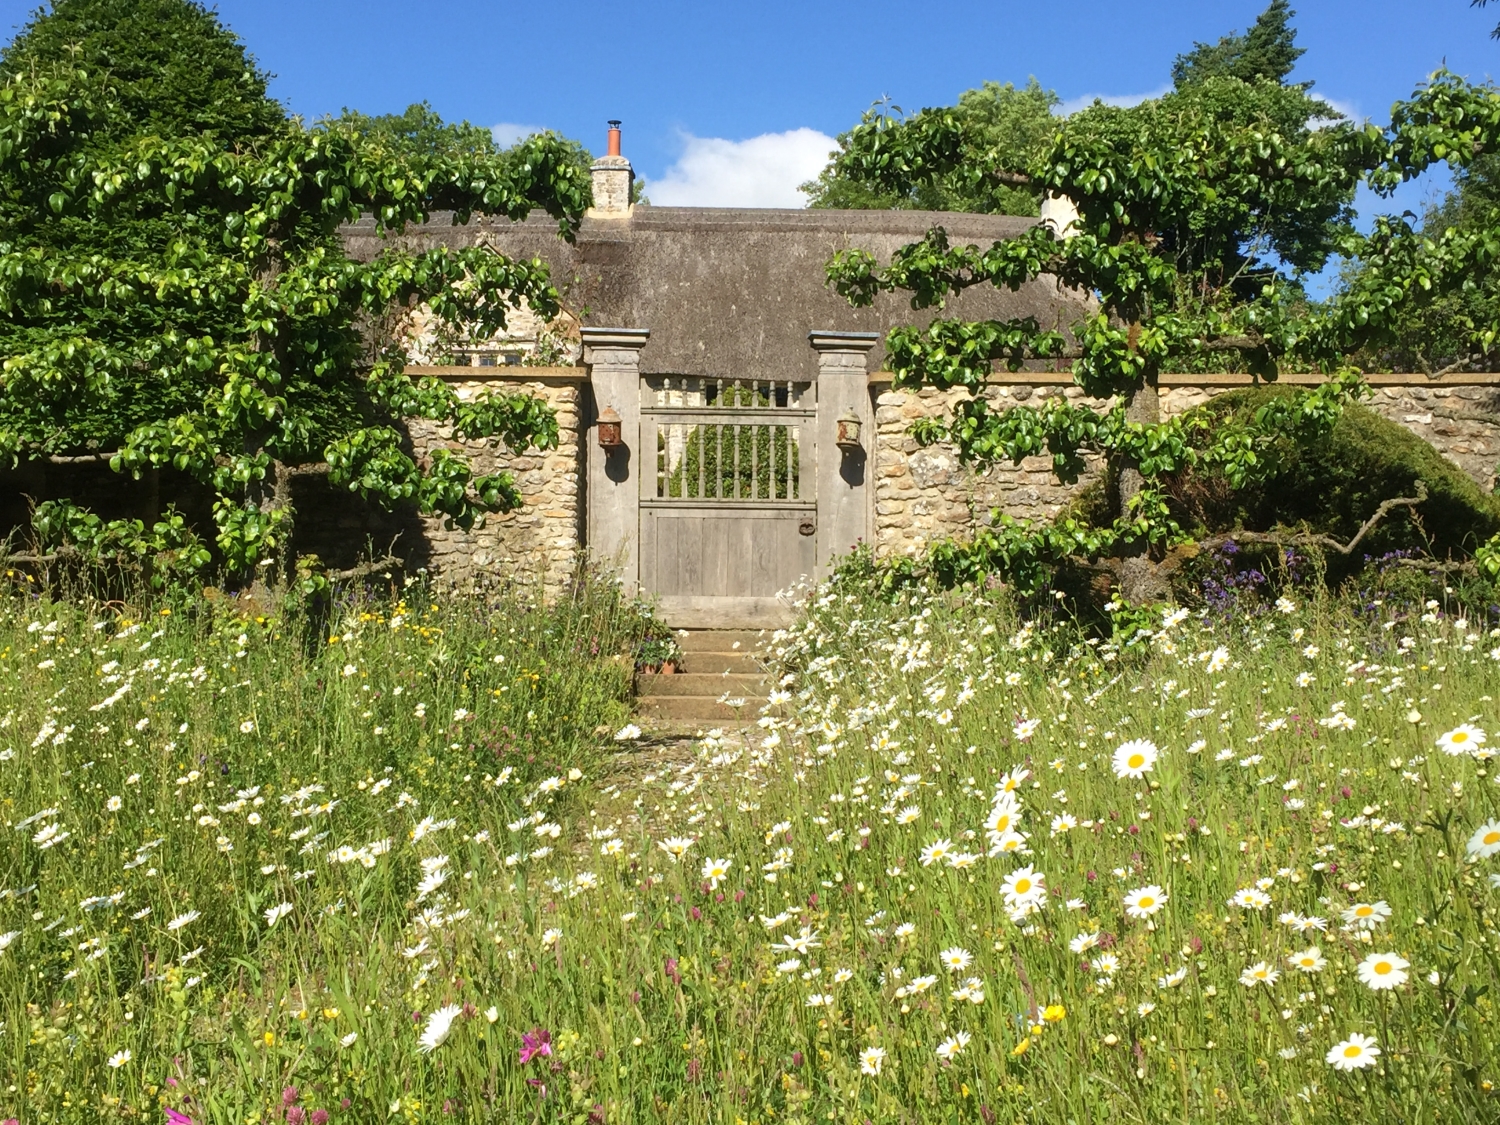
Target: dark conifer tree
(1265, 53)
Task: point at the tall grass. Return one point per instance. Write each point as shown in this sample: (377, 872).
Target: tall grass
(748, 932)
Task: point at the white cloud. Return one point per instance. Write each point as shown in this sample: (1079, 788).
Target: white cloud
(761, 171)
(1125, 101)
(508, 133)
(1347, 108)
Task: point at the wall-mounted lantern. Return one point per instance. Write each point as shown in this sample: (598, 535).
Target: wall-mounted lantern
(609, 429)
(848, 433)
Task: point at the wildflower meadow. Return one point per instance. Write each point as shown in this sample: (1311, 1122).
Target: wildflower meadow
(1226, 866)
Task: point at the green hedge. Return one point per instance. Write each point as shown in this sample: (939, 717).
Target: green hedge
(1333, 485)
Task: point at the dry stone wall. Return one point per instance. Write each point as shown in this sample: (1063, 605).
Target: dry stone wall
(919, 495)
(924, 495)
(544, 537)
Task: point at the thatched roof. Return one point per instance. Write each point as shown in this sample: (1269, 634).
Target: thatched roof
(735, 291)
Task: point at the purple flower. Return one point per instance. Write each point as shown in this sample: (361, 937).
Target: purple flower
(535, 1042)
(175, 1118)
(319, 1117)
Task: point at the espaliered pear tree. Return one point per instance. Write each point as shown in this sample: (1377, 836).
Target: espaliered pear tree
(174, 291)
(1197, 214)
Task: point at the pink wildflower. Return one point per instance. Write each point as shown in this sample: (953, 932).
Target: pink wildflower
(535, 1042)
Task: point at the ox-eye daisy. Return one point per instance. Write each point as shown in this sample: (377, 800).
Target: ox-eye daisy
(1462, 739)
(1135, 758)
(1486, 840)
(1383, 970)
(1354, 1053)
(1145, 901)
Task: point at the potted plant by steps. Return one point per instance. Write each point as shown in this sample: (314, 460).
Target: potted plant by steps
(658, 655)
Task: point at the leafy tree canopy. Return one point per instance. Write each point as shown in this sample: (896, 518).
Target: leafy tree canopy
(419, 131)
(1181, 201)
(178, 297)
(993, 125)
(1265, 53)
(1441, 334)
(174, 69)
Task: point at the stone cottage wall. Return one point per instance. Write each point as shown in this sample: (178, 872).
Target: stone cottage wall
(541, 539)
(923, 495)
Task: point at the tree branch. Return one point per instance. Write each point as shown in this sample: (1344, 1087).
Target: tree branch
(390, 562)
(1313, 539)
(1011, 179)
(77, 459)
(1456, 365)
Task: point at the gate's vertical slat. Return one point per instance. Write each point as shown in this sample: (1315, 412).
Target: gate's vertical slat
(754, 451)
(690, 547)
(735, 430)
(805, 451)
(650, 470)
(700, 430)
(719, 454)
(790, 475)
(765, 560)
(670, 539)
(770, 431)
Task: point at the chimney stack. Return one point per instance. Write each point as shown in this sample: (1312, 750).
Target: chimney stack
(613, 178)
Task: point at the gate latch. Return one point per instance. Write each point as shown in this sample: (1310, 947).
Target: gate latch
(806, 527)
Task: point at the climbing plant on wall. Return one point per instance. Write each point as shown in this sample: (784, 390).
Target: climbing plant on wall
(175, 292)
(1197, 215)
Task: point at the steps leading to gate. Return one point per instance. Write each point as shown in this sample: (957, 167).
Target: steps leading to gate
(716, 664)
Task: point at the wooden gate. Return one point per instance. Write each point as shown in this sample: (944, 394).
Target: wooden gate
(728, 509)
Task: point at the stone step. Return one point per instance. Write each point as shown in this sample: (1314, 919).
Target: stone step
(718, 640)
(716, 663)
(654, 685)
(694, 708)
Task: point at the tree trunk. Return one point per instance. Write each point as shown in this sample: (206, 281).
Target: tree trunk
(1140, 578)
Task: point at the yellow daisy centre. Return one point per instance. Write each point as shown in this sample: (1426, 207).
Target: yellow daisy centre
(1364, 911)
(1492, 836)
(1145, 902)
(1136, 761)
(1460, 736)
(1352, 1051)
(1382, 967)
(1022, 886)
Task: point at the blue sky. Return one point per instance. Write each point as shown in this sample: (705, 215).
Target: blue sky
(735, 103)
